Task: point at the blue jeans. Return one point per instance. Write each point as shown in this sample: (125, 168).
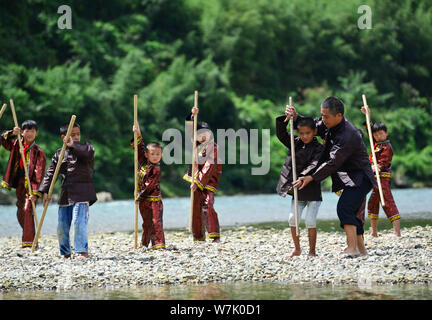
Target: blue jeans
(78, 213)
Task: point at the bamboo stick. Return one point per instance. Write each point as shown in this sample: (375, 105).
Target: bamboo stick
(195, 120)
(54, 179)
(21, 148)
(294, 170)
(375, 164)
(136, 169)
(3, 110)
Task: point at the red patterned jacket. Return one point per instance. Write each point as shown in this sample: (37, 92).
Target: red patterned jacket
(208, 167)
(35, 158)
(384, 155)
(148, 176)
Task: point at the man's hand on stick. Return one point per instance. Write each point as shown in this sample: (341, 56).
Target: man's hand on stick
(302, 182)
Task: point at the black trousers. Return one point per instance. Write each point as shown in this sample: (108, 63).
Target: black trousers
(350, 203)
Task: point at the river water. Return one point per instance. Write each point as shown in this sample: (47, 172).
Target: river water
(232, 210)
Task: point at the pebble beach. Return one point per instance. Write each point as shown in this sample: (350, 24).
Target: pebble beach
(245, 253)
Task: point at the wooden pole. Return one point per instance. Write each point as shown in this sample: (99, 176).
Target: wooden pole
(294, 170)
(53, 181)
(375, 164)
(195, 120)
(21, 148)
(136, 169)
(3, 110)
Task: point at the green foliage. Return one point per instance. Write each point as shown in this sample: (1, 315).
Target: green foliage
(244, 57)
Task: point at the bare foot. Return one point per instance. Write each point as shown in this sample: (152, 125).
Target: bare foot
(216, 240)
(82, 256)
(395, 235)
(349, 253)
(311, 254)
(67, 256)
(295, 252)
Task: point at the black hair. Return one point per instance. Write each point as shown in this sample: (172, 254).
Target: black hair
(334, 104)
(306, 122)
(378, 126)
(154, 145)
(203, 125)
(29, 124)
(64, 128)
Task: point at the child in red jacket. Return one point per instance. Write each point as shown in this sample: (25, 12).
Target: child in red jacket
(384, 154)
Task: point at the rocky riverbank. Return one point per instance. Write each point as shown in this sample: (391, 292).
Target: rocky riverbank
(244, 254)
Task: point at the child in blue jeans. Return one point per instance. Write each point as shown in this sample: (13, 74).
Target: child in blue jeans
(307, 154)
(77, 191)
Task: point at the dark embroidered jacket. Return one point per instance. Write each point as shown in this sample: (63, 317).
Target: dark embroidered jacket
(76, 174)
(307, 157)
(344, 157)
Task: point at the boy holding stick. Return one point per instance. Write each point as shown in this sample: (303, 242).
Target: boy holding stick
(307, 154)
(14, 176)
(207, 173)
(77, 191)
(384, 154)
(149, 195)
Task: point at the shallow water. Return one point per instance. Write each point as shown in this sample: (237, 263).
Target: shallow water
(232, 210)
(236, 291)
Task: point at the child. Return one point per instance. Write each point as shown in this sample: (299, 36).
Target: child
(149, 195)
(77, 191)
(207, 173)
(384, 154)
(307, 153)
(14, 176)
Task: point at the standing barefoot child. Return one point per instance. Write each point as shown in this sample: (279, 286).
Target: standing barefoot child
(307, 154)
(207, 173)
(384, 155)
(14, 176)
(149, 195)
(77, 191)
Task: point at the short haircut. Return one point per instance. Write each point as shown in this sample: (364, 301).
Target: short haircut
(306, 122)
(64, 128)
(29, 124)
(154, 145)
(203, 126)
(334, 104)
(378, 126)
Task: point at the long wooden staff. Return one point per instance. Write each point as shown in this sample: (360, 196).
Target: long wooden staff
(294, 170)
(21, 148)
(3, 110)
(195, 120)
(53, 181)
(375, 164)
(136, 169)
